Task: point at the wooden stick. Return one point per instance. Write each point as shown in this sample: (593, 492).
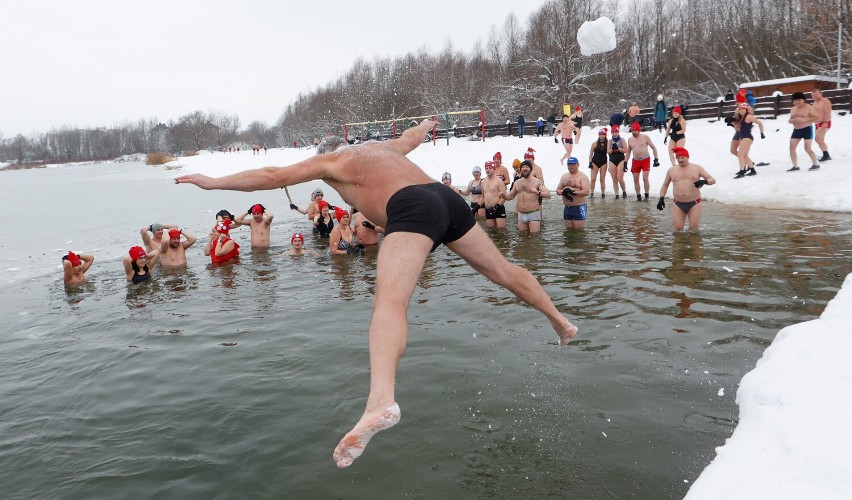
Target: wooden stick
(288, 194)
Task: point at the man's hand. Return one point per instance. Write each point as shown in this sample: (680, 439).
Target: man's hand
(568, 193)
(666, 140)
(199, 180)
(762, 135)
(555, 140)
(656, 162)
(700, 182)
(590, 165)
(293, 207)
(474, 207)
(625, 167)
(662, 203)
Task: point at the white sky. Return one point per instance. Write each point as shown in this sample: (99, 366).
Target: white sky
(95, 63)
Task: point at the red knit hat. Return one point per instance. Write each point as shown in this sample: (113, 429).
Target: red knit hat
(74, 259)
(174, 234)
(530, 154)
(224, 226)
(136, 253)
(677, 110)
(741, 97)
(635, 127)
(680, 152)
(498, 156)
(339, 213)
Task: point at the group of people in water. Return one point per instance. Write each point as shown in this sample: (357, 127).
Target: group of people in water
(418, 214)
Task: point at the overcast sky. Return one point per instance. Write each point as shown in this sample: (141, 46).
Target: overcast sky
(95, 63)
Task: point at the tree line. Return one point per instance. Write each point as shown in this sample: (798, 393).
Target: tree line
(688, 50)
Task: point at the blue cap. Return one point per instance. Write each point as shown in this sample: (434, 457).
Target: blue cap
(572, 160)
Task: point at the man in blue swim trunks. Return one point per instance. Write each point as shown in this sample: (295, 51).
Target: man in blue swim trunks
(574, 188)
(418, 214)
(802, 117)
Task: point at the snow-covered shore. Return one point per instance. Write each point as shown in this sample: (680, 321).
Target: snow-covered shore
(792, 441)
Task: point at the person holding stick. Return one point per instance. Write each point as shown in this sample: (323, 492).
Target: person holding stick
(418, 215)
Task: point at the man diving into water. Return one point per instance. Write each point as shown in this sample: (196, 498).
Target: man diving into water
(418, 214)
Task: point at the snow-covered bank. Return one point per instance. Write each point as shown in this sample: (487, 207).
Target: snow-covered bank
(793, 439)
(708, 144)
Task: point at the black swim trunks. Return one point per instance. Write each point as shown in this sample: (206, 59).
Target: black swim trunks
(686, 206)
(432, 210)
(495, 212)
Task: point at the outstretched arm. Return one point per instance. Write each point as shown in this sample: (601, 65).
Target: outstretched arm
(412, 137)
(260, 179)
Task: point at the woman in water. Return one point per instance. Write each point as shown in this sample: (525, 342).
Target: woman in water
(137, 265)
(474, 189)
(597, 162)
(341, 238)
(323, 222)
(617, 147)
(220, 247)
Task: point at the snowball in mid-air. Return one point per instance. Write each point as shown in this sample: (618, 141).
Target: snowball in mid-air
(596, 36)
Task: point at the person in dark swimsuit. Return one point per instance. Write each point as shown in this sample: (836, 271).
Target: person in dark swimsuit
(474, 189)
(617, 147)
(323, 222)
(138, 263)
(418, 214)
(744, 121)
(597, 162)
(675, 133)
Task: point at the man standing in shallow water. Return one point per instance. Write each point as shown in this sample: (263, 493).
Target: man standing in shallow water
(418, 214)
(688, 179)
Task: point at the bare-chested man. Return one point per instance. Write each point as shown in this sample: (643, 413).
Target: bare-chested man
(173, 251)
(529, 191)
(418, 215)
(688, 179)
(260, 222)
(153, 242)
(802, 117)
(638, 146)
(823, 108)
(565, 129)
(537, 172)
(574, 188)
(365, 231)
(74, 267)
(492, 189)
(313, 208)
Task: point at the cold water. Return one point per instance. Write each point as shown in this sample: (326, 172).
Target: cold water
(116, 391)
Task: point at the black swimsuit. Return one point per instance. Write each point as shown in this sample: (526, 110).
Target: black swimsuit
(324, 228)
(599, 153)
(139, 278)
(675, 132)
(433, 210)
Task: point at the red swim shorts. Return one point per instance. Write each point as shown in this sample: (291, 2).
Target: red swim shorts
(643, 165)
(823, 124)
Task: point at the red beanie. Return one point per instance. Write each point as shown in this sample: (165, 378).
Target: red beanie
(680, 152)
(224, 226)
(530, 154)
(498, 156)
(635, 127)
(297, 236)
(74, 259)
(339, 213)
(741, 97)
(136, 252)
(677, 109)
(174, 234)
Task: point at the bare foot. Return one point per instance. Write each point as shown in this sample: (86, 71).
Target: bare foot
(564, 329)
(354, 442)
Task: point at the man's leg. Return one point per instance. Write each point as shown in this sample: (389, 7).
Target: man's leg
(694, 217)
(479, 251)
(678, 218)
(636, 182)
(646, 182)
(793, 157)
(522, 226)
(535, 226)
(809, 150)
(820, 137)
(400, 260)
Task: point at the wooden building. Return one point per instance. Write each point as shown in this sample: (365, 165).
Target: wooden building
(796, 84)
